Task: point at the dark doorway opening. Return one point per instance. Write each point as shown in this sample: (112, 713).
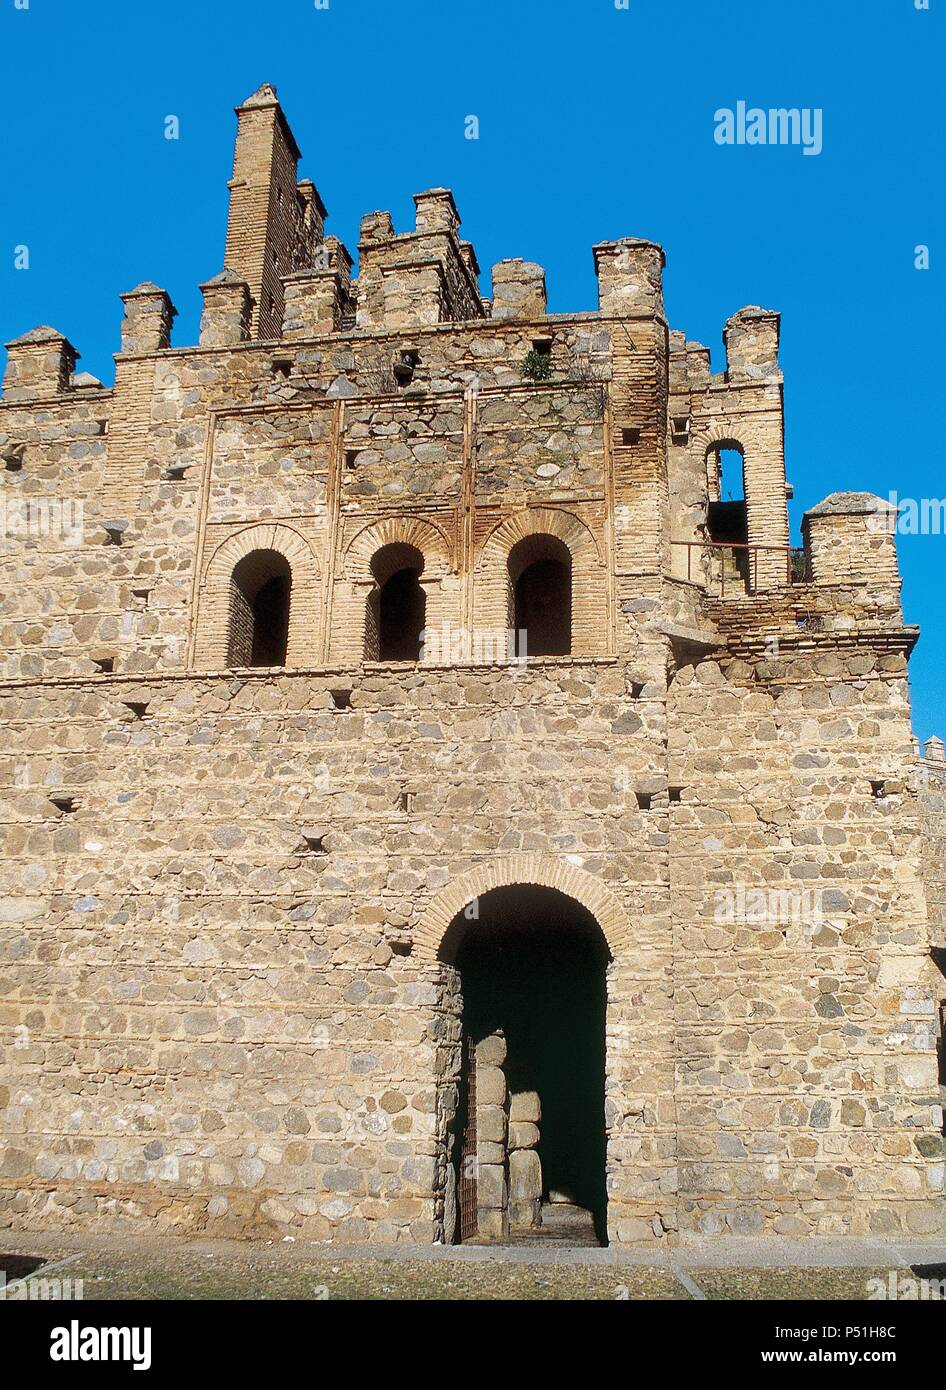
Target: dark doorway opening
(532, 967)
(540, 577)
(260, 591)
(397, 606)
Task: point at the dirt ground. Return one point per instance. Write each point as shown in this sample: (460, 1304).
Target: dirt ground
(116, 1268)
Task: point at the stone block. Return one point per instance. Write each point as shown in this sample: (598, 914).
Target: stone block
(525, 1215)
(525, 1176)
(491, 1051)
(490, 1086)
(523, 1134)
(525, 1106)
(492, 1225)
(491, 1188)
(490, 1124)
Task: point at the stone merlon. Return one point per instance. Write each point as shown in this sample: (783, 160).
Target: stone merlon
(39, 363)
(630, 276)
(149, 315)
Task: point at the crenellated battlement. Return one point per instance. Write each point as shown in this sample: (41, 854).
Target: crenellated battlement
(391, 375)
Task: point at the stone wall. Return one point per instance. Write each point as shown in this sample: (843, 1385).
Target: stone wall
(932, 775)
(805, 1028)
(211, 1025)
(223, 892)
(931, 772)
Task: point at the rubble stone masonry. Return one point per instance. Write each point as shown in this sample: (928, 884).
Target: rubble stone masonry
(225, 1006)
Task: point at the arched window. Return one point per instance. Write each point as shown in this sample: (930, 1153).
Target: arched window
(259, 610)
(397, 605)
(726, 518)
(540, 595)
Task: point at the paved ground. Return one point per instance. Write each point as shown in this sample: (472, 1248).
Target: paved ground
(138, 1268)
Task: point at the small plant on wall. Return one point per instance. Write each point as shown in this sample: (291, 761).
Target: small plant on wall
(536, 365)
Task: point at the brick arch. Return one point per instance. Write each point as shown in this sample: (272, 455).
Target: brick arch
(304, 601)
(399, 536)
(532, 870)
(719, 437)
(589, 579)
(540, 521)
(402, 531)
(716, 432)
(722, 439)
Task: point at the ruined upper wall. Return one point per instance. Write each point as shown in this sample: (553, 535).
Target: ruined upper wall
(336, 405)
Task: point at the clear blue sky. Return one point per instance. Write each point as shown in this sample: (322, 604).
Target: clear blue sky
(595, 122)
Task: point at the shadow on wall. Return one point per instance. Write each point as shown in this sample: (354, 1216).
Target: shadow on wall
(396, 612)
(260, 591)
(540, 595)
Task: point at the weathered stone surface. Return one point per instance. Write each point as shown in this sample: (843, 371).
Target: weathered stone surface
(491, 1188)
(491, 1124)
(229, 865)
(525, 1176)
(525, 1106)
(523, 1134)
(491, 1051)
(490, 1086)
(493, 1226)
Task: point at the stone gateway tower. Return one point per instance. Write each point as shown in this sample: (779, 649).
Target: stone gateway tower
(435, 801)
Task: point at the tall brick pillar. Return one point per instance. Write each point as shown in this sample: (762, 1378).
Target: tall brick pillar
(275, 223)
(755, 379)
(630, 293)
